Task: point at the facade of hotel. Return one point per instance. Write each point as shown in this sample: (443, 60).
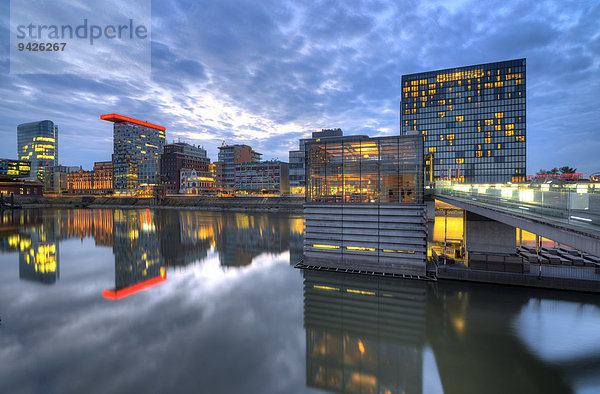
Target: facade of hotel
(297, 160)
(229, 157)
(97, 181)
(37, 142)
(180, 156)
(137, 149)
(471, 119)
(266, 177)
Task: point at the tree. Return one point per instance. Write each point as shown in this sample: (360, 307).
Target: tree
(567, 170)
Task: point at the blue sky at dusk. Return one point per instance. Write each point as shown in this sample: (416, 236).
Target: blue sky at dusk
(267, 73)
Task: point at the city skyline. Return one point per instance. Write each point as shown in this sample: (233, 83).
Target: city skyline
(304, 68)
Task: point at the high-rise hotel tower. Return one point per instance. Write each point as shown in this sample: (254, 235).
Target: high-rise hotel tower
(137, 149)
(472, 120)
(37, 142)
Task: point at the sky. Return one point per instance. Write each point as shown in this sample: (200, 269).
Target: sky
(267, 73)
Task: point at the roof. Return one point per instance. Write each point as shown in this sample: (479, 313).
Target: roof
(116, 118)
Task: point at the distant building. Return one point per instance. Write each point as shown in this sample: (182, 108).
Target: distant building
(55, 180)
(471, 119)
(12, 178)
(196, 182)
(297, 159)
(265, 177)
(137, 149)
(178, 156)
(229, 157)
(37, 142)
(97, 181)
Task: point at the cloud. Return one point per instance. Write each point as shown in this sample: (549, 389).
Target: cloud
(268, 73)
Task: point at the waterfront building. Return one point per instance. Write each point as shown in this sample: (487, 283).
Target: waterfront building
(196, 182)
(55, 180)
(177, 157)
(471, 119)
(265, 177)
(137, 149)
(364, 206)
(297, 160)
(97, 181)
(37, 142)
(14, 178)
(229, 157)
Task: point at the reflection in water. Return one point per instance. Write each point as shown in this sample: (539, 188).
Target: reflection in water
(145, 242)
(362, 338)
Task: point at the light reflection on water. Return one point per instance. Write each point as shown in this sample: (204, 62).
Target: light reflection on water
(189, 301)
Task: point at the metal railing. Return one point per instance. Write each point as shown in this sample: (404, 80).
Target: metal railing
(577, 205)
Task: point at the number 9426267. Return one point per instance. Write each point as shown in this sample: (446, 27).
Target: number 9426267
(42, 46)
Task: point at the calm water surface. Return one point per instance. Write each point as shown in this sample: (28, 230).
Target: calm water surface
(126, 301)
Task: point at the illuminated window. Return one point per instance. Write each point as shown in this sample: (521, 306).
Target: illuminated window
(498, 127)
(478, 153)
(424, 132)
(432, 149)
(499, 115)
(450, 136)
(460, 161)
(499, 146)
(460, 118)
(520, 138)
(488, 141)
(441, 114)
(489, 122)
(509, 133)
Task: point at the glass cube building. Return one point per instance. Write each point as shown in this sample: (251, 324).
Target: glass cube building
(471, 119)
(359, 169)
(37, 142)
(137, 149)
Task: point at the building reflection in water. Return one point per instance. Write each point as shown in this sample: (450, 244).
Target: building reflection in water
(138, 261)
(146, 242)
(363, 336)
(33, 236)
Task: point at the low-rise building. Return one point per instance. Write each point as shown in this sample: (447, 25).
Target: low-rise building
(55, 180)
(12, 173)
(266, 177)
(97, 181)
(196, 182)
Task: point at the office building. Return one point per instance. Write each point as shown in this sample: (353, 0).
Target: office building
(472, 120)
(55, 180)
(265, 177)
(229, 157)
(14, 176)
(297, 164)
(37, 142)
(177, 157)
(364, 205)
(137, 149)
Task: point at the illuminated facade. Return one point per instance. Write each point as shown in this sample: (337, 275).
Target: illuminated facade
(262, 177)
(471, 119)
(178, 156)
(13, 169)
(97, 181)
(359, 169)
(137, 149)
(297, 157)
(37, 142)
(196, 182)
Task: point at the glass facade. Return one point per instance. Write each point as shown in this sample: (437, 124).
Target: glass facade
(359, 169)
(137, 149)
(13, 169)
(37, 142)
(471, 119)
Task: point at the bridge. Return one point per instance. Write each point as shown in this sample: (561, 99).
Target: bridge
(569, 215)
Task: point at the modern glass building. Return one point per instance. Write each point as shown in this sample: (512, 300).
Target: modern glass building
(137, 149)
(359, 169)
(472, 120)
(37, 142)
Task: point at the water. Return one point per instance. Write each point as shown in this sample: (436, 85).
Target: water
(125, 301)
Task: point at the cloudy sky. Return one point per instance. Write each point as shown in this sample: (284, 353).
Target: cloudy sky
(268, 73)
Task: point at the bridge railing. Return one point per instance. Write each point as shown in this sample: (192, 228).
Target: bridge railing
(574, 205)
